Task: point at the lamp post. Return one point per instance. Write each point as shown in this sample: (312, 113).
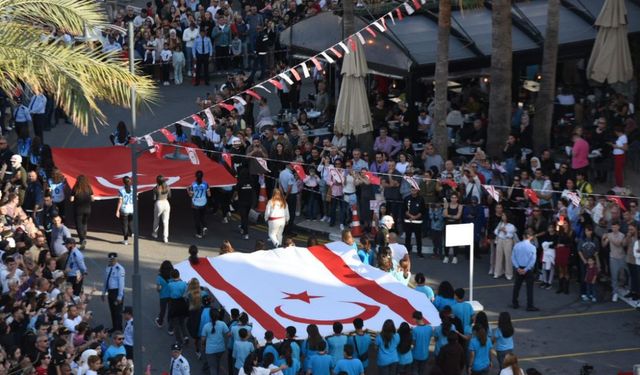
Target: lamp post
(136, 278)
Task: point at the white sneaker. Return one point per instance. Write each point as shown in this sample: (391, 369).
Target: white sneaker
(225, 220)
(245, 237)
(188, 73)
(455, 260)
(584, 297)
(154, 235)
(166, 240)
(341, 226)
(490, 272)
(297, 213)
(445, 260)
(125, 242)
(198, 235)
(497, 277)
(204, 230)
(614, 298)
(509, 278)
(593, 299)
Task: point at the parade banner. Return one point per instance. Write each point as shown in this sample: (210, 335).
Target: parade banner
(106, 166)
(297, 286)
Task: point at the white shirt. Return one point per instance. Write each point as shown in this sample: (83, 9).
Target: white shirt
(5, 281)
(509, 231)
(72, 323)
(256, 371)
(621, 141)
(509, 371)
(38, 104)
(128, 332)
(188, 36)
(213, 136)
(398, 251)
(165, 55)
(213, 10)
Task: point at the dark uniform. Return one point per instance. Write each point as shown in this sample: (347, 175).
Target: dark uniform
(414, 206)
(114, 289)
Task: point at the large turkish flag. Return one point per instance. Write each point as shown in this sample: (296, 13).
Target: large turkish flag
(298, 286)
(106, 166)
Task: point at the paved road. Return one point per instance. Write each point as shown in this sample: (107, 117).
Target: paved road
(558, 340)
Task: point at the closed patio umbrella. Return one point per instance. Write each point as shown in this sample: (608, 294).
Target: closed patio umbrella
(610, 59)
(353, 115)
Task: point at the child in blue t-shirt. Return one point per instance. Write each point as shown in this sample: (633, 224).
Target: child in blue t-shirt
(422, 287)
(480, 350)
(336, 343)
(320, 363)
(242, 348)
(503, 337)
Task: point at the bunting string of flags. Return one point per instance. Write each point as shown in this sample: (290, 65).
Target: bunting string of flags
(330, 55)
(374, 177)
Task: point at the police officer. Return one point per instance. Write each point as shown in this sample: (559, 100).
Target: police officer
(179, 364)
(128, 331)
(74, 266)
(114, 290)
(414, 210)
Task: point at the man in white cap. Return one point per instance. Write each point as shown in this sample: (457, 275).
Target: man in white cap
(19, 178)
(382, 238)
(179, 364)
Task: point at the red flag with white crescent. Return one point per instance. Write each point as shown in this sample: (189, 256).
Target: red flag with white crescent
(574, 197)
(412, 182)
(617, 201)
(533, 197)
(167, 134)
(301, 286)
(227, 159)
(373, 178)
(263, 164)
(299, 171)
(199, 121)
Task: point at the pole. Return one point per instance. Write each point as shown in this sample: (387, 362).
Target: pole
(471, 261)
(136, 279)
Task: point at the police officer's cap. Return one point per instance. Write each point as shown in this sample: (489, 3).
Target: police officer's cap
(176, 347)
(112, 255)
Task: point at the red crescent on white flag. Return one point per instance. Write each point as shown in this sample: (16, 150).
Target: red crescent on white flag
(369, 312)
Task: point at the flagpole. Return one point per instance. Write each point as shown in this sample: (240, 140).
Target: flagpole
(137, 281)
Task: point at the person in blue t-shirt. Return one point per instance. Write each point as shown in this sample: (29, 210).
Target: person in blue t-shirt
(311, 346)
(124, 210)
(387, 343)
(365, 252)
(336, 343)
(441, 335)
(178, 307)
(445, 296)
(422, 287)
(214, 335)
(320, 364)
(421, 334)
(479, 351)
(360, 340)
(162, 286)
(268, 347)
(242, 348)
(290, 339)
(462, 310)
(199, 193)
(405, 356)
(348, 364)
(502, 337)
(286, 358)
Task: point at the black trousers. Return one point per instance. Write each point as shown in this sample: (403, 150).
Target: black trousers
(519, 279)
(243, 211)
(202, 68)
(82, 219)
(410, 228)
(77, 285)
(39, 120)
(22, 129)
(115, 309)
(222, 58)
(292, 202)
(198, 218)
(127, 225)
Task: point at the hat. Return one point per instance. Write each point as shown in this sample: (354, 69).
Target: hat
(256, 137)
(172, 31)
(16, 158)
(176, 347)
(128, 310)
(387, 219)
(69, 240)
(112, 255)
(280, 130)
(235, 141)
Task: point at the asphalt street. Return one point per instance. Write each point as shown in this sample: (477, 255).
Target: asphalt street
(559, 339)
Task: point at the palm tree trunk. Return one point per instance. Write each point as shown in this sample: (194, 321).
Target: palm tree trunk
(544, 104)
(441, 139)
(501, 77)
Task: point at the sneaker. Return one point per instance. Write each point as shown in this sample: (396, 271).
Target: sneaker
(166, 83)
(165, 240)
(125, 242)
(157, 322)
(491, 272)
(614, 298)
(188, 73)
(548, 287)
(297, 213)
(225, 220)
(170, 332)
(593, 299)
(454, 260)
(341, 227)
(245, 237)
(543, 285)
(198, 235)
(185, 341)
(445, 260)
(497, 276)
(204, 230)
(154, 235)
(509, 278)
(584, 297)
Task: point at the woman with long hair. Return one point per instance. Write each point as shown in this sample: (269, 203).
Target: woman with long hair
(251, 367)
(162, 286)
(121, 136)
(226, 247)
(277, 216)
(503, 337)
(287, 359)
(510, 366)
(445, 296)
(405, 357)
(81, 198)
(195, 311)
(311, 346)
(161, 208)
(563, 252)
(479, 351)
(124, 209)
(387, 343)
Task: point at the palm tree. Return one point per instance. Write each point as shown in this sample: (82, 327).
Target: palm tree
(544, 103)
(501, 72)
(441, 139)
(79, 76)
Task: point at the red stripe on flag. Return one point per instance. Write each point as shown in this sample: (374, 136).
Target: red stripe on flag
(399, 14)
(370, 31)
(416, 4)
(211, 276)
(276, 84)
(295, 73)
(336, 265)
(254, 94)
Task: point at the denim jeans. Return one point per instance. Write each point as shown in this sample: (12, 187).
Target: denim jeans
(338, 204)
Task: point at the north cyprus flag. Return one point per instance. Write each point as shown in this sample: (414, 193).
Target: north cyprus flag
(297, 286)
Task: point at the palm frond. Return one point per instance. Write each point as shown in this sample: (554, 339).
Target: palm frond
(77, 76)
(71, 16)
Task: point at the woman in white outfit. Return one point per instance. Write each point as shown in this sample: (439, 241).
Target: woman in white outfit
(175, 45)
(505, 239)
(277, 216)
(161, 208)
